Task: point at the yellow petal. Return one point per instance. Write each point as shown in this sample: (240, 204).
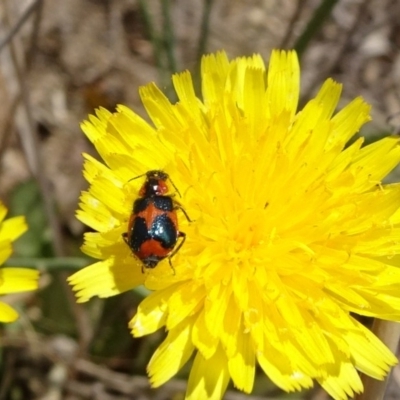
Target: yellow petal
(343, 385)
(203, 338)
(13, 228)
(371, 356)
(208, 378)
(152, 312)
(241, 365)
(15, 280)
(184, 302)
(5, 250)
(159, 108)
(283, 82)
(7, 313)
(214, 69)
(105, 279)
(349, 119)
(279, 370)
(95, 128)
(172, 354)
(367, 168)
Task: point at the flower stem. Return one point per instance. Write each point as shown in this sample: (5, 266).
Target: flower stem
(169, 37)
(152, 35)
(204, 31)
(314, 25)
(49, 264)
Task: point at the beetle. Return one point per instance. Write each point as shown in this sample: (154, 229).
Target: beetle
(153, 225)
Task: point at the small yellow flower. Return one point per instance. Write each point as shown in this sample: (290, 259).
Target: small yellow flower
(12, 280)
(292, 229)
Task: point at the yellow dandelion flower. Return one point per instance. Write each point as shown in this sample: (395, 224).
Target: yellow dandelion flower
(292, 229)
(12, 280)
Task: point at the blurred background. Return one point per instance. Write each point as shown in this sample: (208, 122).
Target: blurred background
(61, 59)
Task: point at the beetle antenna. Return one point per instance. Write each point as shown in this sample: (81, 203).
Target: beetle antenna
(176, 189)
(136, 177)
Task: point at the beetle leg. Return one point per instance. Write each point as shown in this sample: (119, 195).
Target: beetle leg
(170, 264)
(183, 236)
(179, 207)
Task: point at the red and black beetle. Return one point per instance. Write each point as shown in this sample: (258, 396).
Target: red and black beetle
(153, 225)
